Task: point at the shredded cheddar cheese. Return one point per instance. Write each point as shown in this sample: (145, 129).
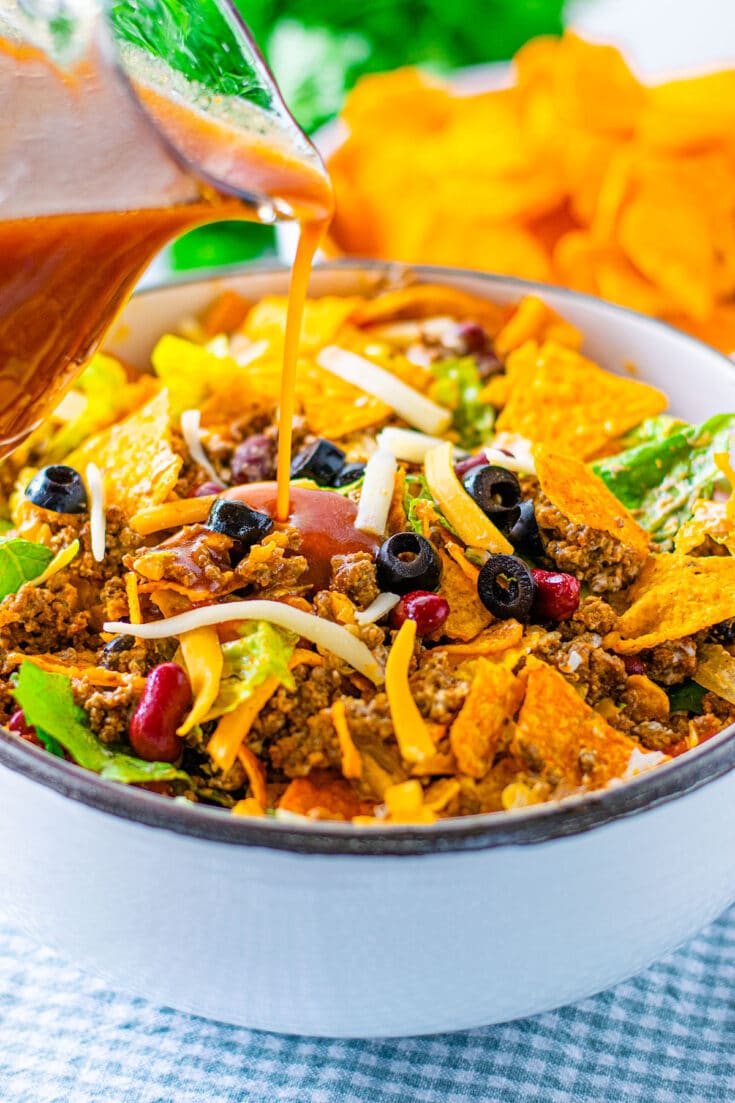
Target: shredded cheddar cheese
(351, 758)
(204, 660)
(412, 733)
(464, 515)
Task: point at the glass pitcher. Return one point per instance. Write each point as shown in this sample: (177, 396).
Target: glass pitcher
(122, 125)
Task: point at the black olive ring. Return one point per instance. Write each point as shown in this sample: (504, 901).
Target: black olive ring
(422, 571)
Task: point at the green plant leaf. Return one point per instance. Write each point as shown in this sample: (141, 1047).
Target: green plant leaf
(261, 652)
(48, 704)
(458, 388)
(21, 561)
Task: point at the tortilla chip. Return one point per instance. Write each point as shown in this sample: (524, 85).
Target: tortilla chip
(138, 464)
(558, 732)
(190, 371)
(709, 520)
(322, 320)
(324, 796)
(467, 615)
(534, 320)
(561, 399)
(675, 596)
(485, 718)
(426, 300)
(583, 498)
(491, 641)
(689, 114)
(594, 88)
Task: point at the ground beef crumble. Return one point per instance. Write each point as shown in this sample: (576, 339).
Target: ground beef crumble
(671, 662)
(108, 710)
(592, 556)
(354, 575)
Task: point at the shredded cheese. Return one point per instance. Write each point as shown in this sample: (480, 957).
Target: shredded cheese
(521, 457)
(407, 444)
(131, 591)
(377, 493)
(464, 515)
(351, 758)
(234, 726)
(97, 519)
(412, 733)
(412, 406)
(62, 559)
(248, 807)
(376, 609)
(324, 633)
(253, 767)
(171, 515)
(204, 660)
(190, 428)
(244, 351)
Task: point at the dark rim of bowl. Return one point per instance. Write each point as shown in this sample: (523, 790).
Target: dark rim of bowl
(539, 824)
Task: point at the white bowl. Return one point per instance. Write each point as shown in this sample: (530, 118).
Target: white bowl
(334, 930)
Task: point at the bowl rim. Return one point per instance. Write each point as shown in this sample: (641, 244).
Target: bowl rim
(530, 826)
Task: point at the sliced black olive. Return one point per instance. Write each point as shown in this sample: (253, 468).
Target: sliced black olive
(506, 587)
(407, 562)
(350, 473)
(58, 488)
(497, 493)
(118, 644)
(525, 536)
(322, 462)
(238, 521)
(724, 632)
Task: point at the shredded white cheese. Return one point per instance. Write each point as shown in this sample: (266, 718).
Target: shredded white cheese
(97, 518)
(412, 406)
(376, 493)
(642, 761)
(407, 444)
(520, 458)
(324, 633)
(190, 421)
(377, 609)
(244, 351)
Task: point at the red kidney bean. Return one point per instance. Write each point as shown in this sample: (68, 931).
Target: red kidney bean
(430, 611)
(557, 595)
(165, 702)
(254, 461)
(461, 468)
(205, 489)
(20, 726)
(634, 665)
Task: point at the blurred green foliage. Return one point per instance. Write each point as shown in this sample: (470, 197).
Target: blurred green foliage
(319, 48)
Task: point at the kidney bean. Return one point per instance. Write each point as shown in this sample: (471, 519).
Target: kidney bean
(20, 726)
(254, 461)
(463, 466)
(165, 702)
(205, 489)
(634, 665)
(557, 595)
(430, 611)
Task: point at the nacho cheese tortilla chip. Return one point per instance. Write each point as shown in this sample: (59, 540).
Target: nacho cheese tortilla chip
(138, 464)
(491, 704)
(556, 727)
(583, 498)
(675, 596)
(557, 397)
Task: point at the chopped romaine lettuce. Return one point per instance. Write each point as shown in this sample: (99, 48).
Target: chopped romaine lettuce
(687, 697)
(415, 491)
(458, 386)
(653, 428)
(660, 481)
(21, 561)
(262, 651)
(48, 704)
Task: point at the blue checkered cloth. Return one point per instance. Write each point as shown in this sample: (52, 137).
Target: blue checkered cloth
(666, 1037)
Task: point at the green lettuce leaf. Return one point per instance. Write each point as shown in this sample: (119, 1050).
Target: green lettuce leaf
(458, 386)
(687, 697)
(416, 489)
(653, 428)
(261, 652)
(48, 704)
(21, 561)
(659, 481)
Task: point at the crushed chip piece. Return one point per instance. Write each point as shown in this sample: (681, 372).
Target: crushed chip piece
(582, 497)
(491, 704)
(558, 732)
(138, 464)
(675, 596)
(557, 397)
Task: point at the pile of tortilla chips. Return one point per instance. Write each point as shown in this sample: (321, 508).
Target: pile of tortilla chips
(577, 174)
